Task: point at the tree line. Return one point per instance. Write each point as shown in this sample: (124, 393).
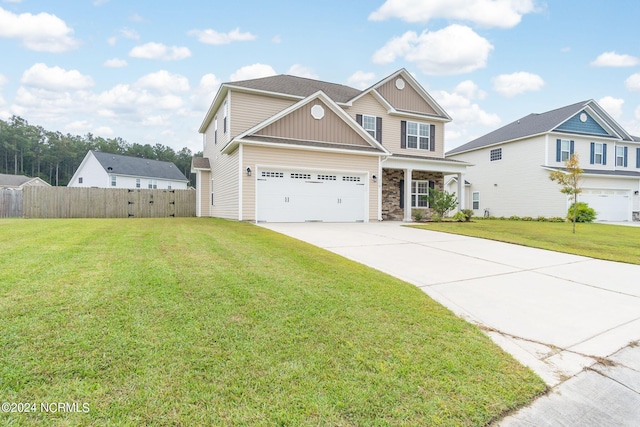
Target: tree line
(53, 156)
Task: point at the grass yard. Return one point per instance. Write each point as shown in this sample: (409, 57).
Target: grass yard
(207, 322)
(602, 241)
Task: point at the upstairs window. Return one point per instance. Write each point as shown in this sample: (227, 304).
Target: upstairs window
(137, 182)
(621, 156)
(215, 130)
(80, 180)
(369, 124)
(224, 119)
(418, 136)
(113, 180)
(496, 154)
(153, 184)
(598, 153)
(564, 149)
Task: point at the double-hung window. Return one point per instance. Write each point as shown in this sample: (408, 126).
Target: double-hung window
(419, 194)
(418, 135)
(153, 184)
(475, 200)
(369, 124)
(621, 156)
(137, 182)
(565, 150)
(113, 180)
(598, 154)
(225, 109)
(215, 130)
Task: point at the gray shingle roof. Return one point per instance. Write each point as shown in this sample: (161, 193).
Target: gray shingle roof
(200, 163)
(13, 180)
(532, 124)
(136, 166)
(299, 86)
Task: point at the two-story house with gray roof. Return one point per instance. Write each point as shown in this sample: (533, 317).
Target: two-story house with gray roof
(106, 170)
(511, 168)
(292, 149)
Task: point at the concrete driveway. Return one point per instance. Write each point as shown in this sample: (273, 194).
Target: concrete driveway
(572, 319)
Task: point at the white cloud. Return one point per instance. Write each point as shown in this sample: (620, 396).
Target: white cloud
(276, 39)
(361, 79)
(612, 105)
(467, 116)
(210, 36)
(517, 83)
(42, 32)
(455, 49)
(163, 82)
(302, 71)
(633, 82)
(637, 114)
(3, 80)
(136, 18)
(487, 13)
(254, 71)
(115, 63)
(55, 79)
(205, 92)
(160, 51)
(612, 59)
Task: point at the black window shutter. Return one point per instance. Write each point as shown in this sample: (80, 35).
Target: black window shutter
(593, 153)
(402, 194)
(379, 129)
(604, 154)
(558, 148)
(359, 119)
(403, 134)
(432, 138)
(638, 157)
(432, 185)
(571, 147)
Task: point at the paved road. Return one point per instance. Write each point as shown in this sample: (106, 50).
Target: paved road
(573, 320)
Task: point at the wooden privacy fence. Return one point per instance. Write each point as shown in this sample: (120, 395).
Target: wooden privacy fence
(74, 202)
(10, 203)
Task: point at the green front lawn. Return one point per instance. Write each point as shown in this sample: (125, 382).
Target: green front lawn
(207, 322)
(602, 241)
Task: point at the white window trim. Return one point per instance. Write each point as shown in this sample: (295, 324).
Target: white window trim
(113, 180)
(563, 151)
(620, 155)
(597, 145)
(416, 196)
(475, 200)
(418, 136)
(372, 130)
(137, 182)
(498, 152)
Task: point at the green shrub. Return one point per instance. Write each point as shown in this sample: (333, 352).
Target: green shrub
(557, 219)
(541, 219)
(468, 214)
(460, 217)
(527, 218)
(584, 213)
(501, 218)
(436, 217)
(418, 214)
(514, 218)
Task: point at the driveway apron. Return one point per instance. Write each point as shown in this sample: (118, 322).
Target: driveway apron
(566, 317)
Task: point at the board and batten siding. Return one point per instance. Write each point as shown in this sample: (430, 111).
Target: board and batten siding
(517, 184)
(248, 110)
(406, 99)
(301, 125)
(391, 134)
(253, 156)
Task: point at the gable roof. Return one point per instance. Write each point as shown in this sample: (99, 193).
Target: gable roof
(17, 181)
(536, 124)
(136, 166)
(326, 101)
(298, 87)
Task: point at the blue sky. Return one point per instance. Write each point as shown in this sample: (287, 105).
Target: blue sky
(147, 71)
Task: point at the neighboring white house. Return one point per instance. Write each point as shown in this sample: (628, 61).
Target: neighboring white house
(18, 182)
(106, 170)
(291, 149)
(512, 165)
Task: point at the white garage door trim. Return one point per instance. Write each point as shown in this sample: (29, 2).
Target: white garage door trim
(609, 204)
(287, 194)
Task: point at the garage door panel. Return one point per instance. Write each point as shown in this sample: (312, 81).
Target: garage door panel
(610, 205)
(288, 196)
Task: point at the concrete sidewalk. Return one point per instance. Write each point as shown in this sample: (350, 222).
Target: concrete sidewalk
(556, 313)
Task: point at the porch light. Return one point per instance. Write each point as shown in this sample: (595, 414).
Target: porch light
(374, 178)
(248, 171)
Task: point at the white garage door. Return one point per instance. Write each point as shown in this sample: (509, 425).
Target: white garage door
(295, 196)
(610, 205)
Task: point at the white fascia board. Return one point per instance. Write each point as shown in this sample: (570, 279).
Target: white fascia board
(84, 161)
(311, 148)
(425, 164)
(419, 116)
(496, 144)
(215, 104)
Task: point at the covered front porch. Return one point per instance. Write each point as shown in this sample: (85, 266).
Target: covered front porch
(406, 181)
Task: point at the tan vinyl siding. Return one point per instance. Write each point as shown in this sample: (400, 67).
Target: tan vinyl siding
(406, 99)
(225, 186)
(204, 194)
(391, 127)
(312, 160)
(300, 124)
(248, 110)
